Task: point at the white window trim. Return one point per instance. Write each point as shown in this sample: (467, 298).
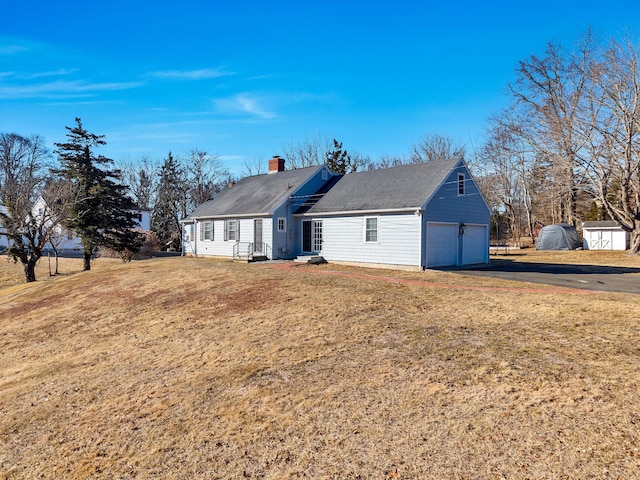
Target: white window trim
(377, 240)
(462, 177)
(284, 224)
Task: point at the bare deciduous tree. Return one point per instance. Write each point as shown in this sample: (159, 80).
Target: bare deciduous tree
(308, 152)
(205, 176)
(142, 178)
(386, 161)
(611, 125)
(434, 147)
(253, 167)
(27, 220)
(548, 94)
(507, 172)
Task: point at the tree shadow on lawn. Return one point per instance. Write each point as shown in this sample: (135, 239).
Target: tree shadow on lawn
(590, 277)
(507, 265)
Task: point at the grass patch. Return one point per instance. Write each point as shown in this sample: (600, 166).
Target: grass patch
(196, 368)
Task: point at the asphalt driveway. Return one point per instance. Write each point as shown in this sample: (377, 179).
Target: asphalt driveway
(587, 277)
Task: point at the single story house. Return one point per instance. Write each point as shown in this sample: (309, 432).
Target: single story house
(604, 235)
(411, 216)
(254, 217)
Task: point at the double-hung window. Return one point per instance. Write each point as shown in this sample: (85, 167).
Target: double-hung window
(282, 224)
(231, 230)
(206, 230)
(371, 229)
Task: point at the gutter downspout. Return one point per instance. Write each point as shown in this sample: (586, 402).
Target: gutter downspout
(195, 237)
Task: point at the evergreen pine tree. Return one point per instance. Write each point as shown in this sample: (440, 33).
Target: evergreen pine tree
(338, 160)
(170, 205)
(101, 212)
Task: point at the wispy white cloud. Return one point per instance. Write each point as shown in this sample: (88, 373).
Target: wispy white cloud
(52, 73)
(12, 49)
(202, 74)
(36, 75)
(61, 88)
(244, 103)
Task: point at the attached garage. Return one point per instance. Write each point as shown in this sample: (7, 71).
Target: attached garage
(475, 244)
(456, 244)
(442, 244)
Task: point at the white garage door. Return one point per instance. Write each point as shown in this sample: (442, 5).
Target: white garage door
(474, 244)
(442, 244)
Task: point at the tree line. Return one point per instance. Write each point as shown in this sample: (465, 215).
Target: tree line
(567, 146)
(43, 200)
(47, 196)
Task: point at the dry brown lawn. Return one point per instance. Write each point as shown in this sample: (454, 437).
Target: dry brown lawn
(202, 369)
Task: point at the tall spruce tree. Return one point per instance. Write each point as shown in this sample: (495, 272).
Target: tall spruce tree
(170, 204)
(101, 213)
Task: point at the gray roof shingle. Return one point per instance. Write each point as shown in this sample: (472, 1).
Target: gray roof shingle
(395, 188)
(601, 224)
(256, 195)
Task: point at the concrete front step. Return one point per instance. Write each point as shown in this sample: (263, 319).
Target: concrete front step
(255, 258)
(310, 259)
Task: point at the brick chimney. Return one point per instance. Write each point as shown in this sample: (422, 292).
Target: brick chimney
(276, 164)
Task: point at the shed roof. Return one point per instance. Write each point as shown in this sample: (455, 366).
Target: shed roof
(404, 187)
(608, 224)
(256, 195)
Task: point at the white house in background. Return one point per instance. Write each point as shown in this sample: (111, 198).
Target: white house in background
(63, 239)
(604, 235)
(4, 242)
(412, 216)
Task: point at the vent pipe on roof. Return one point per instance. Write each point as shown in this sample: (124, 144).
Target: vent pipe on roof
(276, 164)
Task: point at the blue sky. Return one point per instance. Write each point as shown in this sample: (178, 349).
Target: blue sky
(243, 79)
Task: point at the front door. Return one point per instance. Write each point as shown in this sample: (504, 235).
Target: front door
(257, 236)
(311, 236)
(306, 236)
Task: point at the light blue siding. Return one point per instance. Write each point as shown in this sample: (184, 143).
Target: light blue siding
(447, 206)
(287, 245)
(398, 239)
(281, 244)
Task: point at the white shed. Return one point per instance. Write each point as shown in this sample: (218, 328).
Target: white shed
(604, 235)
